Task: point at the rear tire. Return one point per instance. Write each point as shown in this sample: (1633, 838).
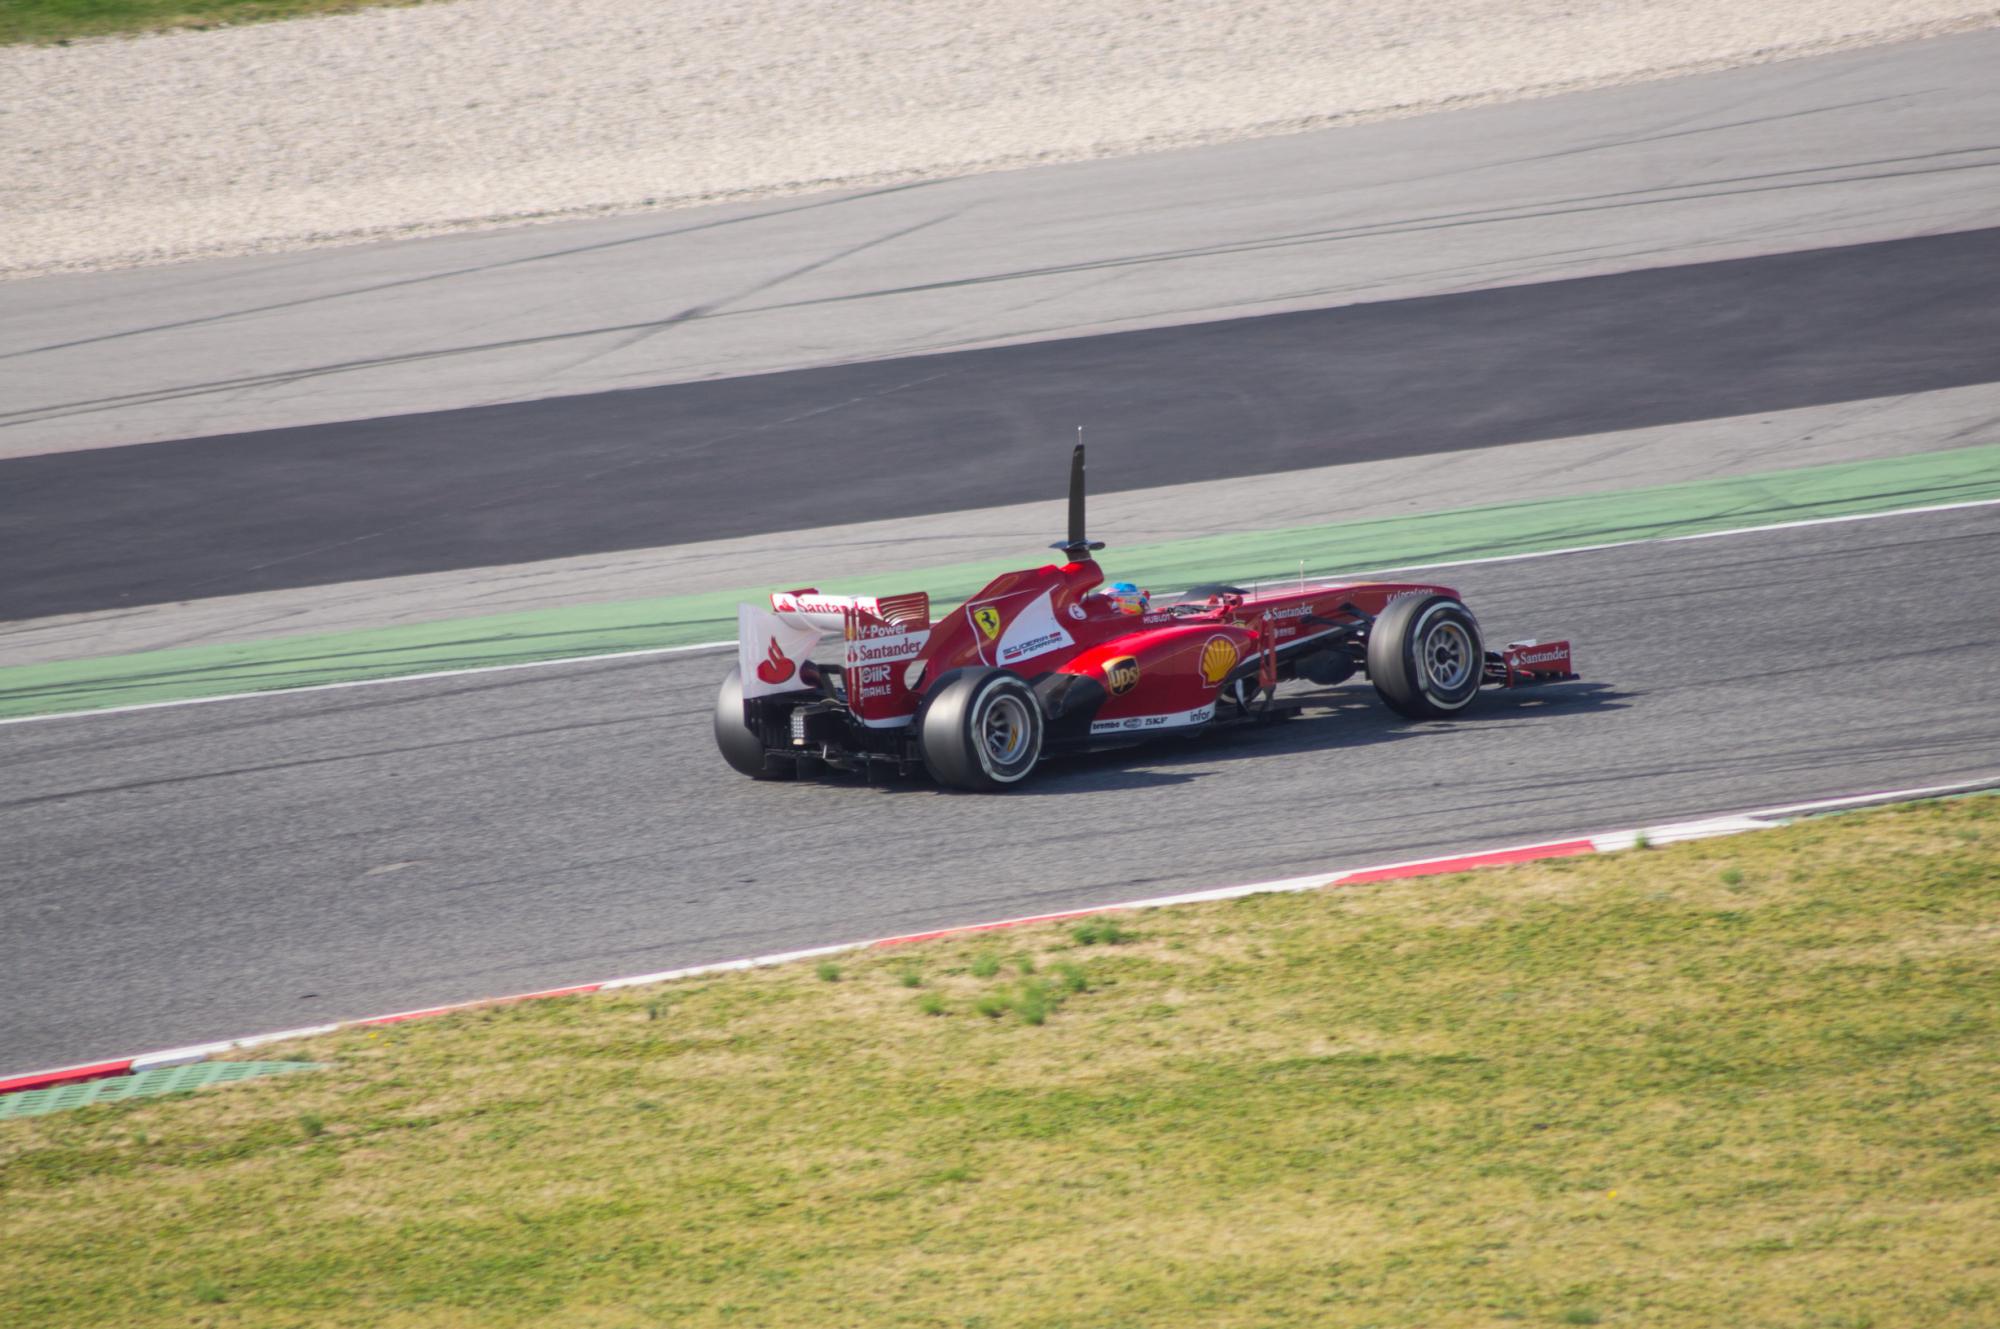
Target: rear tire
(740, 747)
(1425, 657)
(980, 729)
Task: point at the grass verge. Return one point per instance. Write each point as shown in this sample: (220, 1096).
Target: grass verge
(48, 22)
(1741, 1082)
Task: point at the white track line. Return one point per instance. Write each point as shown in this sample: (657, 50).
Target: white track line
(1700, 535)
(720, 645)
(376, 682)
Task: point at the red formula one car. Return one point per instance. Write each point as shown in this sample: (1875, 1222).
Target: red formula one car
(1049, 660)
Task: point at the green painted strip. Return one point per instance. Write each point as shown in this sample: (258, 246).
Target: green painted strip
(1956, 476)
(146, 1084)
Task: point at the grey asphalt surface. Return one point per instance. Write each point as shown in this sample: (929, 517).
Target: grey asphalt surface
(912, 437)
(214, 871)
(1868, 145)
(887, 553)
(188, 874)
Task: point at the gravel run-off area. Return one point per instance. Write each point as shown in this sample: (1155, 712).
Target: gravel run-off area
(475, 113)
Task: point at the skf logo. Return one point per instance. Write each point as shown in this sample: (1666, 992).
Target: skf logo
(988, 619)
(1122, 674)
(1218, 657)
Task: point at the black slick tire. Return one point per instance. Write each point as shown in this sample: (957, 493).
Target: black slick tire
(1425, 657)
(740, 748)
(980, 729)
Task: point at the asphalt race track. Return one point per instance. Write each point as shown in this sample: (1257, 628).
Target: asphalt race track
(913, 437)
(1882, 143)
(194, 873)
(217, 870)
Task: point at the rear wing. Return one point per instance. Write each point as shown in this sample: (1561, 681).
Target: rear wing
(829, 613)
(881, 635)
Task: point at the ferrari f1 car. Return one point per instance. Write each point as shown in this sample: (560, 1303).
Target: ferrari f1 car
(1048, 660)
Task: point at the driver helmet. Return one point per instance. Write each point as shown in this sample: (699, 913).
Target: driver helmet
(1126, 597)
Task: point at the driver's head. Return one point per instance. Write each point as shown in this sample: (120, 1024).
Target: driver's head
(1126, 597)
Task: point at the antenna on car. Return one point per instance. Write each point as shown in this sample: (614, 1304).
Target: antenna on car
(1077, 547)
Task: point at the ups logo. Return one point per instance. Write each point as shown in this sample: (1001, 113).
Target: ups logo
(1122, 674)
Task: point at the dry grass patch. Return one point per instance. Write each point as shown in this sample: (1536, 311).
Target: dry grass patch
(48, 22)
(1744, 1082)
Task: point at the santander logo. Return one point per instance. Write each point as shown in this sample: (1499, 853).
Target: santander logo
(776, 668)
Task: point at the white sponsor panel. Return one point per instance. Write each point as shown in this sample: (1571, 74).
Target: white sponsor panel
(875, 652)
(885, 649)
(1033, 632)
(809, 608)
(769, 651)
(1141, 724)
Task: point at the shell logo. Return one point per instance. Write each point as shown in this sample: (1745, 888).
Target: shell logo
(1218, 657)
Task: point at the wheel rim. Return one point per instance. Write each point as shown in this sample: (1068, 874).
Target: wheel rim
(1446, 657)
(1004, 732)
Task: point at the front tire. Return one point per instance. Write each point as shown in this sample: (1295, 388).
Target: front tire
(740, 747)
(980, 729)
(1425, 657)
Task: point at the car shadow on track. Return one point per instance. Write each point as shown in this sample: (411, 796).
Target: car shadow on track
(1346, 718)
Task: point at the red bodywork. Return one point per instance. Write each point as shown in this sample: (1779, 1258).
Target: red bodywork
(1162, 669)
(1090, 668)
